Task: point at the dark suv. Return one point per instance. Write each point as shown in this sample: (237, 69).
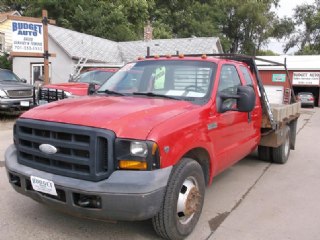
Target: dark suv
(15, 93)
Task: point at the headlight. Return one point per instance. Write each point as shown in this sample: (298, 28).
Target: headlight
(67, 94)
(136, 154)
(139, 149)
(3, 94)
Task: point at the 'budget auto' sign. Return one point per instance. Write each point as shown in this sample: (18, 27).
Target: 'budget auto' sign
(306, 78)
(27, 37)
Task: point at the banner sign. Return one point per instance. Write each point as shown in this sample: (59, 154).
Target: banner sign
(27, 37)
(278, 77)
(306, 78)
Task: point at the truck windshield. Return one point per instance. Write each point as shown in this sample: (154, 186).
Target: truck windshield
(96, 77)
(183, 79)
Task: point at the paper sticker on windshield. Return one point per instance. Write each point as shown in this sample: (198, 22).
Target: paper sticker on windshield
(195, 94)
(174, 93)
(159, 78)
(180, 93)
(127, 67)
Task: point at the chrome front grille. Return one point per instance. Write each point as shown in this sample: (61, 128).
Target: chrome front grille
(20, 93)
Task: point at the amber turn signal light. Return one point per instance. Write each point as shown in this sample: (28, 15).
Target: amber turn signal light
(132, 165)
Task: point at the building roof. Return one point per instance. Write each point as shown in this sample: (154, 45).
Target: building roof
(297, 62)
(132, 50)
(79, 45)
(4, 15)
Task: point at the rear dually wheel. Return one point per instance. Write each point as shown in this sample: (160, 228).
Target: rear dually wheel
(281, 154)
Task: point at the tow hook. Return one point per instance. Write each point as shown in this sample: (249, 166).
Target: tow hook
(88, 201)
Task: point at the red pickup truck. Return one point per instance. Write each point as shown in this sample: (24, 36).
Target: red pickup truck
(81, 86)
(150, 141)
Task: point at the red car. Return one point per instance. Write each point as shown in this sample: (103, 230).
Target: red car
(78, 87)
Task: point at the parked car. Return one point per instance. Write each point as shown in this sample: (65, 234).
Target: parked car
(15, 93)
(306, 99)
(78, 87)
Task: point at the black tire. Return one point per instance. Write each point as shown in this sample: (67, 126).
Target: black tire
(264, 153)
(293, 134)
(186, 180)
(281, 154)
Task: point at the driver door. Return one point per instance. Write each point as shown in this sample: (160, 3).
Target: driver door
(229, 137)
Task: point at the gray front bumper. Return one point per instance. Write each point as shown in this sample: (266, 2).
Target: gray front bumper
(125, 195)
(15, 103)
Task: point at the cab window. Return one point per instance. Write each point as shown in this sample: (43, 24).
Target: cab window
(228, 84)
(229, 79)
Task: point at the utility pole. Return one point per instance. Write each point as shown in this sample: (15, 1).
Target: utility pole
(45, 46)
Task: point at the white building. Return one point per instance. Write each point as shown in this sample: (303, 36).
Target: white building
(303, 75)
(5, 31)
(75, 50)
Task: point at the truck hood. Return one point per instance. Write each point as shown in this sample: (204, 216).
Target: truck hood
(14, 85)
(78, 89)
(128, 117)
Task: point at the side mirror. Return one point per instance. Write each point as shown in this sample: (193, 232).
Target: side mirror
(91, 89)
(23, 80)
(243, 101)
(247, 99)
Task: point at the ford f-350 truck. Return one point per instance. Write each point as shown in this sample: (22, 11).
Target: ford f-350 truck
(150, 141)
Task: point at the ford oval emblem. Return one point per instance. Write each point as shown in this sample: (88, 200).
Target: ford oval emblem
(48, 149)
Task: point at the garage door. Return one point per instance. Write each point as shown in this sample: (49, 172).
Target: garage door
(275, 94)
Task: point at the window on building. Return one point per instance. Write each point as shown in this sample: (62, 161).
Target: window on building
(2, 41)
(37, 72)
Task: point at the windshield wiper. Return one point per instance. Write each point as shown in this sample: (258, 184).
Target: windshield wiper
(151, 94)
(110, 92)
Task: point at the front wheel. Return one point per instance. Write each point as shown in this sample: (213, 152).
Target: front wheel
(183, 201)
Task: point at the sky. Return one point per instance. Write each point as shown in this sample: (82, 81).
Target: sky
(286, 8)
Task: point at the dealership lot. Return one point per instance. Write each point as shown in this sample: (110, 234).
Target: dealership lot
(251, 200)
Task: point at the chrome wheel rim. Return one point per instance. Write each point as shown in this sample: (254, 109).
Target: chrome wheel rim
(188, 200)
